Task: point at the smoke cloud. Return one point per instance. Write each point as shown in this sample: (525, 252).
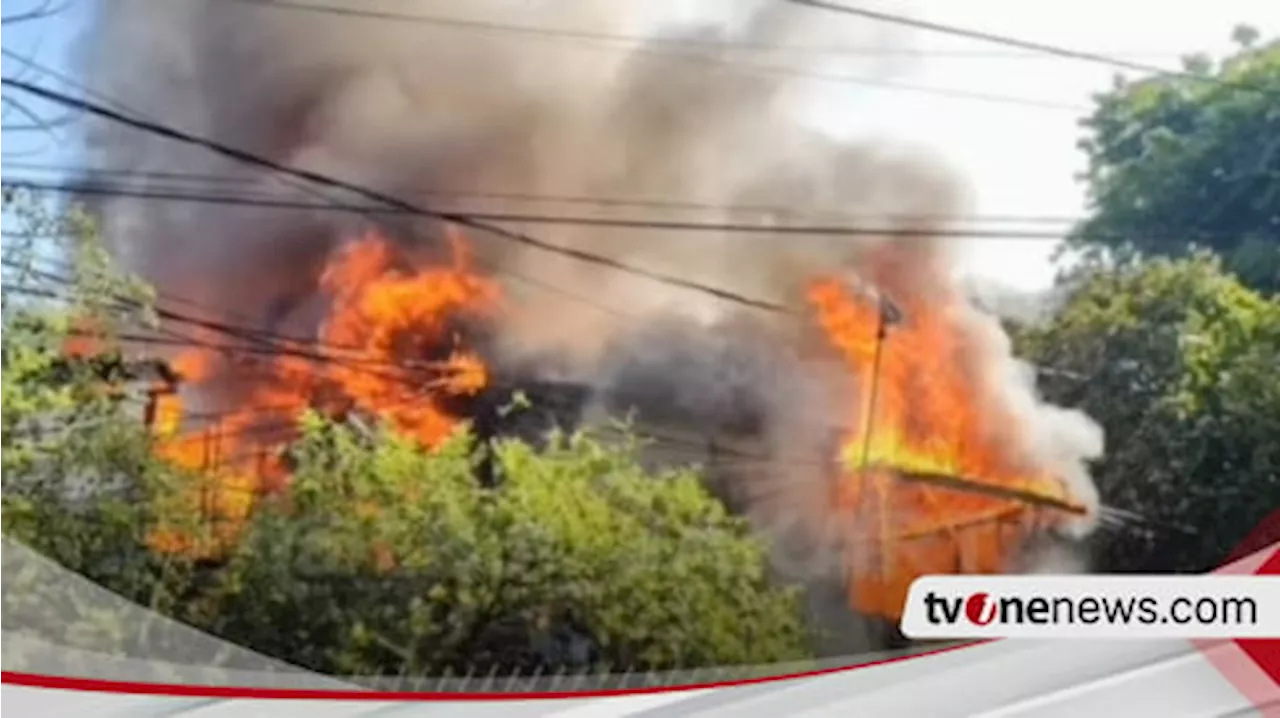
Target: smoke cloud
(412, 108)
(454, 113)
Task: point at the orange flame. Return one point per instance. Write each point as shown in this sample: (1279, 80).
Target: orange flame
(378, 352)
(926, 414)
(386, 348)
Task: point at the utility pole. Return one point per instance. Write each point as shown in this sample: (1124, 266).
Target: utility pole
(887, 316)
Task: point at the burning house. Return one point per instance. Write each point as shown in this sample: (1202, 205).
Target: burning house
(869, 456)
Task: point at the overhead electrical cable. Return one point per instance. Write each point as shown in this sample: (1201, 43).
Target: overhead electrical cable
(579, 34)
(514, 218)
(459, 219)
(152, 179)
(663, 48)
(990, 37)
(259, 342)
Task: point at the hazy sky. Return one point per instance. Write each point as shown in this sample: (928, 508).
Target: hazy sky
(1022, 160)
(1019, 159)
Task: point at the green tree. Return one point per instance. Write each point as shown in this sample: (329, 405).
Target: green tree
(1181, 163)
(53, 298)
(1180, 360)
(66, 419)
(80, 481)
(393, 559)
(381, 558)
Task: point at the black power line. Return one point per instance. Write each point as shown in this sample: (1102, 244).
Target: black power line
(43, 10)
(268, 201)
(99, 189)
(458, 218)
(154, 178)
(398, 205)
(553, 33)
(256, 428)
(259, 342)
(302, 184)
(600, 36)
(664, 47)
(989, 37)
(468, 219)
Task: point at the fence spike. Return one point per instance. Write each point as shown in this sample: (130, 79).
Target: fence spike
(533, 677)
(555, 678)
(488, 681)
(466, 679)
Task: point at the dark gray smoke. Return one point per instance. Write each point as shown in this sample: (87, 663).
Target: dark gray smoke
(411, 108)
(455, 113)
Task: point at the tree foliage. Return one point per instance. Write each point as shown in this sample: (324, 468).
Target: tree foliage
(80, 481)
(387, 556)
(53, 304)
(382, 558)
(385, 559)
(56, 299)
(1178, 164)
(1180, 360)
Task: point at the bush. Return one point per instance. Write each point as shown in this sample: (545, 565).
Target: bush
(386, 558)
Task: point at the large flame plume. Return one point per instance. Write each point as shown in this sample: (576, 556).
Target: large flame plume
(386, 348)
(455, 113)
(928, 409)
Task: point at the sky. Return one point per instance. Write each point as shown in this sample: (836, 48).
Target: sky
(47, 41)
(1021, 160)
(1017, 156)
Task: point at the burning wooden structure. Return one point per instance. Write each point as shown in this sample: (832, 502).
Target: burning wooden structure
(897, 524)
(935, 481)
